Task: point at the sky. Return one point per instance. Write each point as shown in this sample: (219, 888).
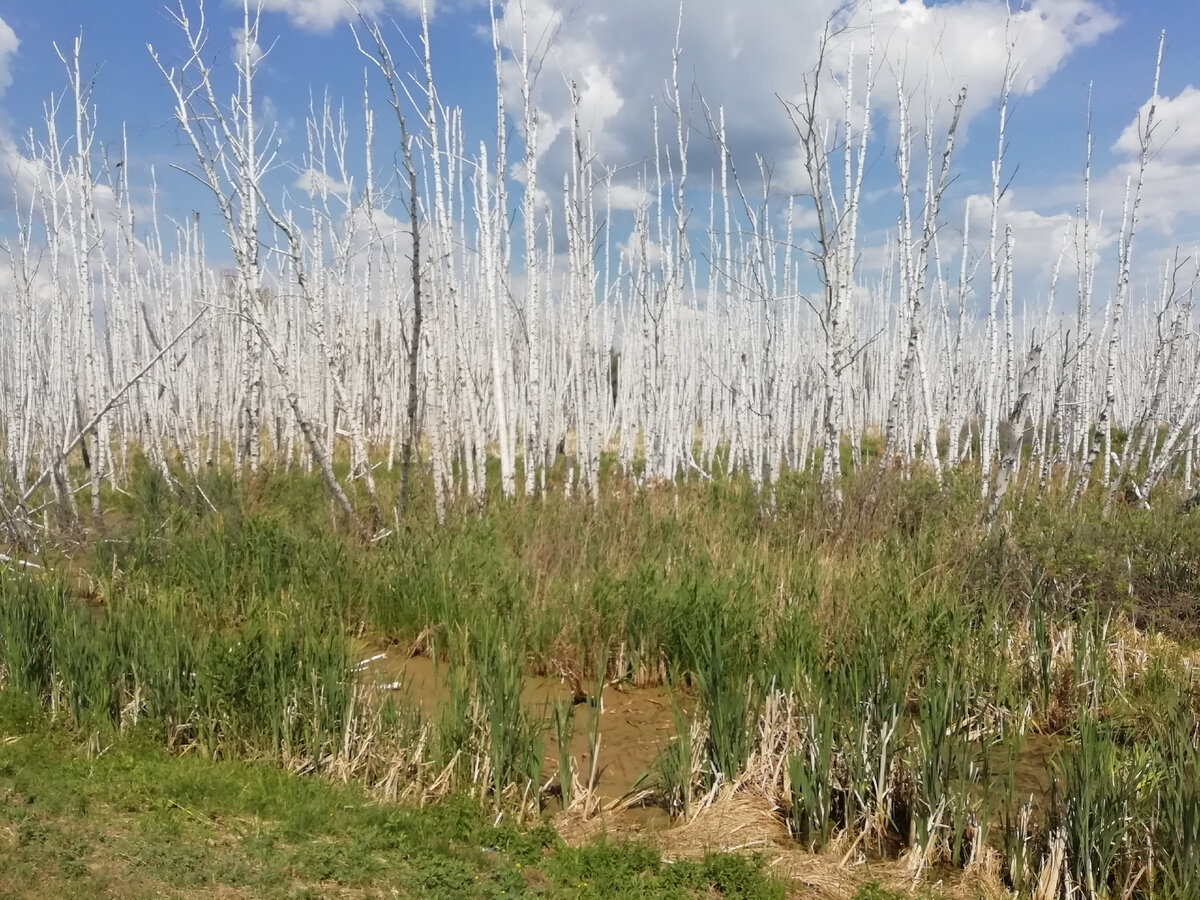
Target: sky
(743, 57)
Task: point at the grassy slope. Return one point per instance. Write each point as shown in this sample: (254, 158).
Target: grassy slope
(132, 821)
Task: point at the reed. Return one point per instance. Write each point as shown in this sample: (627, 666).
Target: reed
(878, 681)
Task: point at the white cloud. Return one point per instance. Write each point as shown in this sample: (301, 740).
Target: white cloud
(937, 50)
(744, 57)
(245, 48)
(628, 197)
(1171, 189)
(1039, 241)
(637, 254)
(1170, 193)
(1176, 137)
(18, 175)
(316, 183)
(321, 15)
(8, 48)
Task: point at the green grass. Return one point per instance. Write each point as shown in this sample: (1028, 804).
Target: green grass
(129, 820)
(917, 651)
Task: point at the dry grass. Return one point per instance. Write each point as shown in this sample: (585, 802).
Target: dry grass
(739, 822)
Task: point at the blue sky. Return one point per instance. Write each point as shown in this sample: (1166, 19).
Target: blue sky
(619, 52)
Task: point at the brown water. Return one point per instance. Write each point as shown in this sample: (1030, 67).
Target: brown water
(635, 723)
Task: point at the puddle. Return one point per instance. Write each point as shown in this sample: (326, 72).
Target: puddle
(635, 723)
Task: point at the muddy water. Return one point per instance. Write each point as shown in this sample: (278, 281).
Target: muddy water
(634, 726)
(636, 723)
(1032, 774)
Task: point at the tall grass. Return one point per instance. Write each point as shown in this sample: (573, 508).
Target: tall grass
(279, 684)
(880, 671)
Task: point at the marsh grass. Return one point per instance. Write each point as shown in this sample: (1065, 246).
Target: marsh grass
(678, 767)
(1103, 816)
(810, 772)
(279, 685)
(562, 719)
(874, 669)
(1176, 812)
(723, 668)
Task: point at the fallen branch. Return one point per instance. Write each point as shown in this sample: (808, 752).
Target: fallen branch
(112, 401)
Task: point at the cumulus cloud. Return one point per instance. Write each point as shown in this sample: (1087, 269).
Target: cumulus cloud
(1040, 240)
(15, 169)
(933, 51)
(1176, 136)
(627, 197)
(8, 48)
(637, 254)
(745, 57)
(1171, 190)
(245, 48)
(322, 15)
(316, 183)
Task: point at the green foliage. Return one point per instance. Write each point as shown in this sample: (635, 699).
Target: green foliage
(163, 824)
(914, 646)
(872, 891)
(623, 869)
(720, 654)
(673, 767)
(1105, 790)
